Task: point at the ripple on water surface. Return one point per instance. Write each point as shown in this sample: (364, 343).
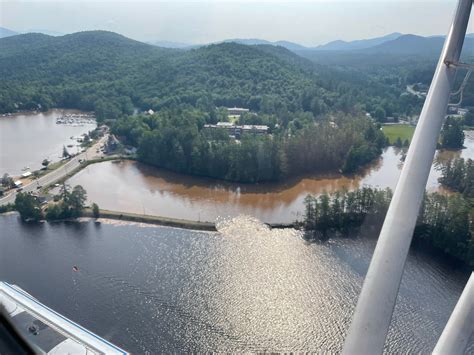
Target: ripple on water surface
(244, 288)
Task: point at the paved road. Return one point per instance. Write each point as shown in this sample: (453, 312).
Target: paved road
(58, 173)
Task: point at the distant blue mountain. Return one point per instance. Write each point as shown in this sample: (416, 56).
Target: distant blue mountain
(5, 32)
(45, 32)
(358, 44)
(253, 41)
(391, 43)
(171, 44)
(417, 45)
(247, 41)
(250, 42)
(290, 45)
(335, 45)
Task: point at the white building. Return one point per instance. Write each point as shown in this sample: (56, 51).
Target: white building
(238, 130)
(237, 111)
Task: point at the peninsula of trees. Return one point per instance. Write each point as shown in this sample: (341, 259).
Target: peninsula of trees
(69, 204)
(445, 221)
(175, 140)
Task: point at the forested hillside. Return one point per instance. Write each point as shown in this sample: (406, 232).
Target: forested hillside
(87, 70)
(111, 74)
(314, 113)
(90, 70)
(393, 65)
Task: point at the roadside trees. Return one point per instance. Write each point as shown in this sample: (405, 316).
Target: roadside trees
(7, 181)
(95, 210)
(28, 206)
(66, 154)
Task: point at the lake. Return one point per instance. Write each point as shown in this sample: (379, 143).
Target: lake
(245, 288)
(28, 138)
(138, 188)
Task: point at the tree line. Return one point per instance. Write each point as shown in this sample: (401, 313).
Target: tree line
(452, 134)
(176, 140)
(458, 175)
(68, 204)
(445, 221)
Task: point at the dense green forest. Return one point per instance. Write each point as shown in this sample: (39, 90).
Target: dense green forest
(445, 221)
(405, 61)
(315, 112)
(452, 134)
(174, 139)
(458, 175)
(70, 204)
(111, 74)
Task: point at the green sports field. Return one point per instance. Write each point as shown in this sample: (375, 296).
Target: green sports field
(392, 132)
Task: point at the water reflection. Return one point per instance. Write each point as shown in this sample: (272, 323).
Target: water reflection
(40, 138)
(137, 188)
(244, 289)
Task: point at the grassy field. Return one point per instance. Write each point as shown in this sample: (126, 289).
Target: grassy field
(392, 132)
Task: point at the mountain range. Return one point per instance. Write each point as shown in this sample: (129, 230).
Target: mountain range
(392, 44)
(292, 46)
(395, 43)
(105, 71)
(109, 73)
(358, 44)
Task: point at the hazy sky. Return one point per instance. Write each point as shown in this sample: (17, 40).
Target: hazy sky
(307, 22)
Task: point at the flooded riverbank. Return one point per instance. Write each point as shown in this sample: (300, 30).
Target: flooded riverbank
(40, 138)
(138, 188)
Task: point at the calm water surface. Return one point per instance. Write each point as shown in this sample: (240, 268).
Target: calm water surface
(137, 188)
(245, 288)
(28, 138)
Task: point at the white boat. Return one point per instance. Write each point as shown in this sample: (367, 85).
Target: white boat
(47, 331)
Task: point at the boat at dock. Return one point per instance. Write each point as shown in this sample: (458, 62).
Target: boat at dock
(76, 119)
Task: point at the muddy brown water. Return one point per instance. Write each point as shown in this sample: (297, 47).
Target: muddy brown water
(138, 188)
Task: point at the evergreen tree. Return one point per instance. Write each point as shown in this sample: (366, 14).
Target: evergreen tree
(398, 143)
(95, 210)
(452, 135)
(28, 206)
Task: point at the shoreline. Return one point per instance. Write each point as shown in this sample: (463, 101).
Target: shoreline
(149, 219)
(154, 220)
(167, 221)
